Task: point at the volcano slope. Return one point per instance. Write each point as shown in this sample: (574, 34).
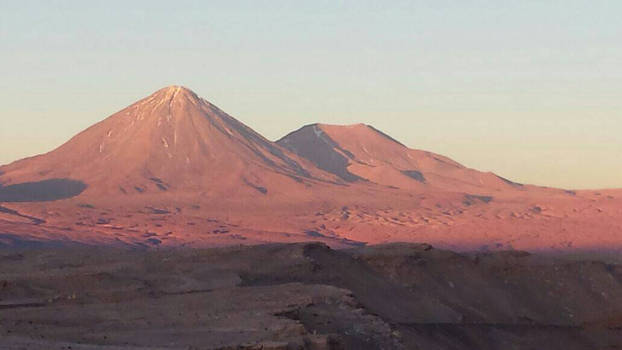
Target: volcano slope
(305, 296)
(159, 167)
(361, 152)
(170, 142)
(173, 169)
(426, 197)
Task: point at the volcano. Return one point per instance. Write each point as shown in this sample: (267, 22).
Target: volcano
(172, 141)
(362, 152)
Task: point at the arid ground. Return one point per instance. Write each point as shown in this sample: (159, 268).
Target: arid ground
(306, 296)
(171, 225)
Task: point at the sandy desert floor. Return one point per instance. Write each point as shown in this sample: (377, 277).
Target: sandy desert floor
(584, 220)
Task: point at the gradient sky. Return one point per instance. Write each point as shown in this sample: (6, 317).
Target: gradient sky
(531, 90)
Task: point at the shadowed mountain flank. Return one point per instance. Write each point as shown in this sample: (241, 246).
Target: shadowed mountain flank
(385, 135)
(259, 145)
(41, 191)
(312, 143)
(470, 199)
(510, 182)
(415, 174)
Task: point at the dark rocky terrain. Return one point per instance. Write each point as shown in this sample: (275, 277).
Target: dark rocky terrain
(305, 296)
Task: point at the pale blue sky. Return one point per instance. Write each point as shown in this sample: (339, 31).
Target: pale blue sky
(531, 90)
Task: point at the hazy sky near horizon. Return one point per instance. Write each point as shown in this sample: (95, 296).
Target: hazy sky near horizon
(531, 90)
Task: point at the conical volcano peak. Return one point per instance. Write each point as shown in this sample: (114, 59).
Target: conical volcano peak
(345, 126)
(174, 93)
(360, 131)
(176, 88)
(178, 138)
(171, 102)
